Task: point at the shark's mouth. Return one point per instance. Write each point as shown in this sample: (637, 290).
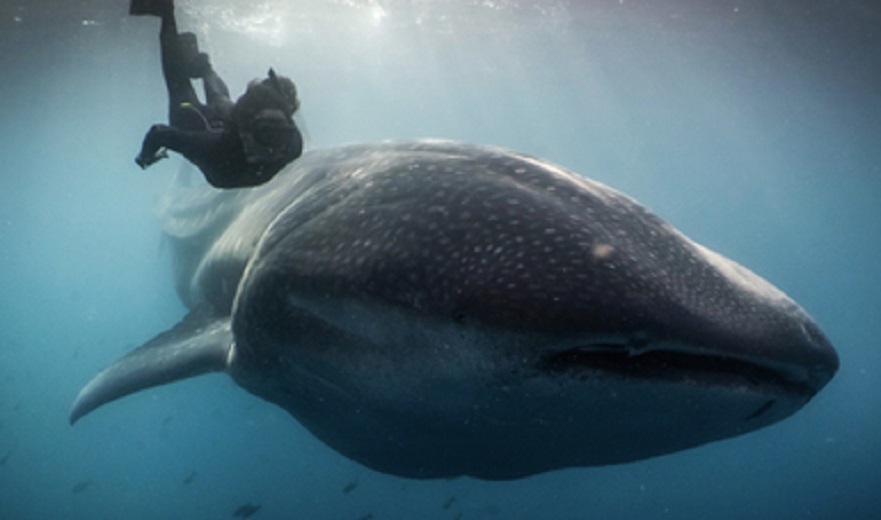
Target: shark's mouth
(676, 366)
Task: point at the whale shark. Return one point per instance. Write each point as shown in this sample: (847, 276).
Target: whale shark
(437, 309)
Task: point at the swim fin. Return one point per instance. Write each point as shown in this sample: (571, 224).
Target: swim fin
(151, 7)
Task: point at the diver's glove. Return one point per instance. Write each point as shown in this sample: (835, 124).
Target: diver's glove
(145, 162)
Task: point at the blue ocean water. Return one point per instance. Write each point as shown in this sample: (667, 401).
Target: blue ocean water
(754, 127)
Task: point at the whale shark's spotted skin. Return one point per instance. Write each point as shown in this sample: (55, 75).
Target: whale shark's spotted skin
(433, 309)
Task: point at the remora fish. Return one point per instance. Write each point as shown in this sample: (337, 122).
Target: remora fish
(433, 309)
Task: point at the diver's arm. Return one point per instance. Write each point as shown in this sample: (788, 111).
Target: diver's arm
(197, 147)
(152, 147)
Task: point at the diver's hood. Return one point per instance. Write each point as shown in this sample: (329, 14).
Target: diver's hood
(265, 118)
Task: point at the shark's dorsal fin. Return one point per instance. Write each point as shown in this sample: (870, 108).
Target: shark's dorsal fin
(200, 343)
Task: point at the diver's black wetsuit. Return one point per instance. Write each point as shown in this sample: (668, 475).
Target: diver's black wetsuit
(209, 135)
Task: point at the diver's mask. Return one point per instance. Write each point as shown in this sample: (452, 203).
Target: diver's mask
(267, 136)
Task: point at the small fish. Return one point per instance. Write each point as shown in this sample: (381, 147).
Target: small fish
(350, 486)
(458, 516)
(246, 510)
(191, 477)
(449, 502)
(368, 516)
(79, 487)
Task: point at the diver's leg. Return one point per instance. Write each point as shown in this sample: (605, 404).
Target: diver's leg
(177, 51)
(217, 95)
(216, 92)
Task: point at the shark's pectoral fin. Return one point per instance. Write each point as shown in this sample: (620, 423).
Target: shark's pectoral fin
(200, 343)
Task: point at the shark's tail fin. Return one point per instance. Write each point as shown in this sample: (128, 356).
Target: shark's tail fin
(200, 343)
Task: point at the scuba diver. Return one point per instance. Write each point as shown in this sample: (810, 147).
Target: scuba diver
(235, 145)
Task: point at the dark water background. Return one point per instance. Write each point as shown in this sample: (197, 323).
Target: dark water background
(755, 127)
